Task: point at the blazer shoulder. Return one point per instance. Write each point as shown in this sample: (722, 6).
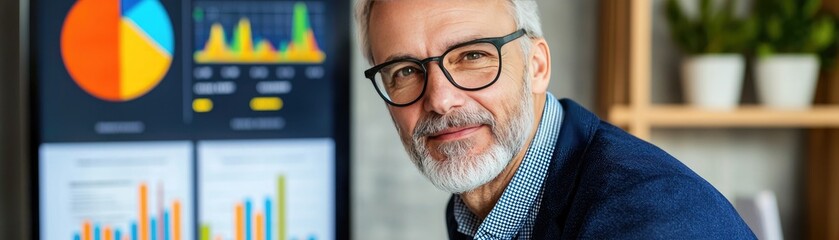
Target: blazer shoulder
(634, 188)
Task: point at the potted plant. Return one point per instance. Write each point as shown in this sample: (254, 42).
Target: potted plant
(792, 34)
(714, 42)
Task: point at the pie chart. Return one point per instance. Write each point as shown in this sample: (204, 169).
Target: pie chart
(117, 50)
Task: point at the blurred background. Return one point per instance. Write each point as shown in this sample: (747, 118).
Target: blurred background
(644, 65)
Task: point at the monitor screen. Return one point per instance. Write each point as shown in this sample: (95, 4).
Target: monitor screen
(190, 119)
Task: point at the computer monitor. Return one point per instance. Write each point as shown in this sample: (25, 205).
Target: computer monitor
(190, 119)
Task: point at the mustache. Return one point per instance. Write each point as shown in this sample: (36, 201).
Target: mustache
(434, 122)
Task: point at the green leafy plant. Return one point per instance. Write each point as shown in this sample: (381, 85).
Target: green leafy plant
(794, 26)
(716, 29)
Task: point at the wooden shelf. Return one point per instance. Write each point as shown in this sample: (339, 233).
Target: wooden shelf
(625, 49)
(745, 116)
(639, 115)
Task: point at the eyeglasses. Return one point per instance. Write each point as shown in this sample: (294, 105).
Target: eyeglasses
(470, 66)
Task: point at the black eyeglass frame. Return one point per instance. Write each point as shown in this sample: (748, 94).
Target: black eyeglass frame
(498, 42)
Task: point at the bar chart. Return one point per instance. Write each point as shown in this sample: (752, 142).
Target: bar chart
(254, 223)
(117, 191)
(265, 189)
(166, 225)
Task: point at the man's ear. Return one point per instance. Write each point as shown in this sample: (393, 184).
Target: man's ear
(540, 65)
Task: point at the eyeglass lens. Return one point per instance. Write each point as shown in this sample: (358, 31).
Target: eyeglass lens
(471, 66)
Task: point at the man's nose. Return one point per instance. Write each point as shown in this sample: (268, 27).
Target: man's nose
(441, 96)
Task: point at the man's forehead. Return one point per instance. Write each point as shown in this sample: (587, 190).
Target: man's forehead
(424, 28)
(430, 10)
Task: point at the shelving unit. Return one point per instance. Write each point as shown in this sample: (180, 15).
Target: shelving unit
(626, 50)
(745, 116)
(639, 116)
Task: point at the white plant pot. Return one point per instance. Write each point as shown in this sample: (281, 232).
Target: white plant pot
(787, 81)
(713, 81)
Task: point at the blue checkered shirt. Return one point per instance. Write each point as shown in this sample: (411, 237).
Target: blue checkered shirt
(515, 213)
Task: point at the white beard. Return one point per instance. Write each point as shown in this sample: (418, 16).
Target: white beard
(462, 171)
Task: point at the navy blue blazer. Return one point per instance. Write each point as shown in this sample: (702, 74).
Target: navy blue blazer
(603, 183)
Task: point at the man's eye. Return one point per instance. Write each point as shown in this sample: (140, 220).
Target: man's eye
(470, 56)
(406, 72)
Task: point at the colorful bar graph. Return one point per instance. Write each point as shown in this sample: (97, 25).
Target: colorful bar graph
(251, 223)
(165, 226)
(302, 48)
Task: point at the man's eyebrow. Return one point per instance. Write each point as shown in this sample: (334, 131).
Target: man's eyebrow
(455, 41)
(449, 44)
(400, 56)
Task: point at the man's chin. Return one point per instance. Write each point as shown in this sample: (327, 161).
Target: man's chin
(464, 149)
(464, 173)
(462, 186)
(437, 157)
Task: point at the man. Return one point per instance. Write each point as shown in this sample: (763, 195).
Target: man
(466, 85)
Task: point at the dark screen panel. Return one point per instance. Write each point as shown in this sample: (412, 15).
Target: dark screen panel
(159, 119)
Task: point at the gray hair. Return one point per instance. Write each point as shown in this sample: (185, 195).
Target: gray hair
(525, 13)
